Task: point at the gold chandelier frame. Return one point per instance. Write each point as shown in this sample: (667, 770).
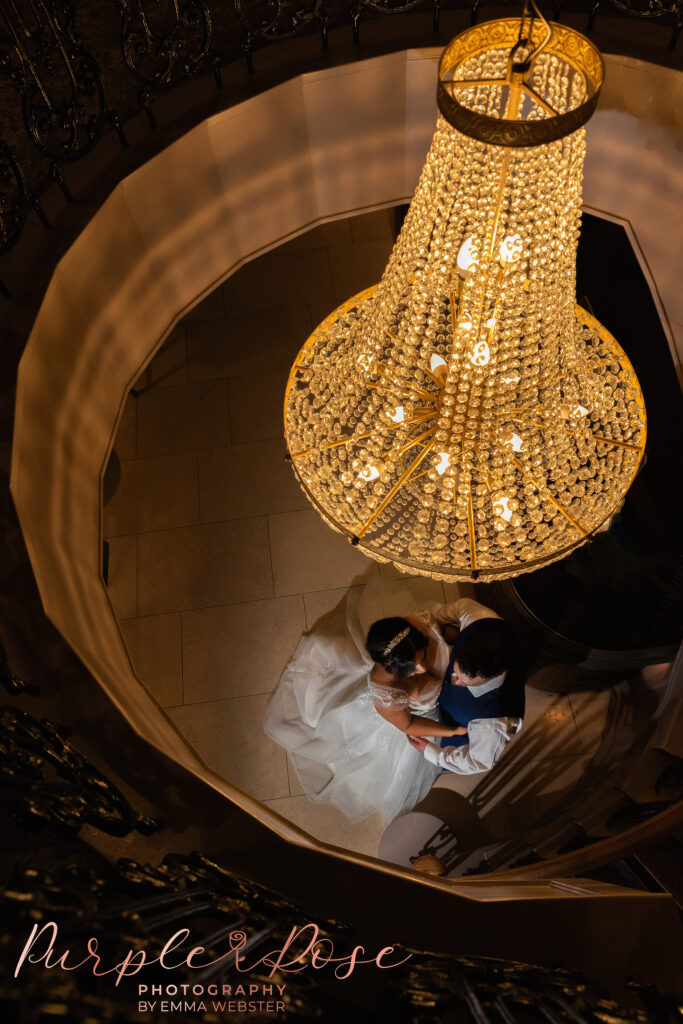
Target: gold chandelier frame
(422, 442)
(503, 34)
(458, 333)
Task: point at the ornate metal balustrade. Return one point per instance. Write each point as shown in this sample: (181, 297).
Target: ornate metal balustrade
(133, 905)
(71, 71)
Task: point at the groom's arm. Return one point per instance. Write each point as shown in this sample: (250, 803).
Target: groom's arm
(488, 738)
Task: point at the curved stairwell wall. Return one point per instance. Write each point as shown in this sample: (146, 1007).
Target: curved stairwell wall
(315, 148)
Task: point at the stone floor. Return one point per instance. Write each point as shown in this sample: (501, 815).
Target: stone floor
(218, 564)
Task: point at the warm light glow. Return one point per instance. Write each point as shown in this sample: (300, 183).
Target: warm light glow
(480, 354)
(511, 249)
(468, 255)
(502, 508)
(465, 419)
(515, 443)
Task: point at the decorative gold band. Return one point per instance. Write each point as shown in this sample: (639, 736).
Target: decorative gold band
(503, 34)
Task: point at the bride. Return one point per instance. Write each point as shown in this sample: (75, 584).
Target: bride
(344, 706)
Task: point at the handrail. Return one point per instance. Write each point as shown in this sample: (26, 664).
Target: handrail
(605, 851)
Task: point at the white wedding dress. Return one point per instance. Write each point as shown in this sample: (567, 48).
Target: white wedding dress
(323, 712)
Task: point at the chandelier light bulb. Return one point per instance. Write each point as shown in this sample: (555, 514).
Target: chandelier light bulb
(511, 249)
(468, 255)
(464, 418)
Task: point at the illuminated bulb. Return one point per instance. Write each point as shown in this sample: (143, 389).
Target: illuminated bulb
(436, 362)
(480, 354)
(511, 249)
(511, 380)
(397, 416)
(369, 473)
(502, 508)
(515, 442)
(468, 255)
(581, 411)
(444, 462)
(365, 361)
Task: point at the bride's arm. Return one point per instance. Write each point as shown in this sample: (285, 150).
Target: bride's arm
(416, 725)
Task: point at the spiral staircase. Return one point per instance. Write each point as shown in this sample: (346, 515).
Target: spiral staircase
(105, 821)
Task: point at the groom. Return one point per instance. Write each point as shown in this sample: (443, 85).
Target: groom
(483, 689)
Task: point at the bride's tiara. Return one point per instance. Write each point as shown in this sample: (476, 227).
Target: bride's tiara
(396, 640)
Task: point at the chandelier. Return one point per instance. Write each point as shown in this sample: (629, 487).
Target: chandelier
(464, 418)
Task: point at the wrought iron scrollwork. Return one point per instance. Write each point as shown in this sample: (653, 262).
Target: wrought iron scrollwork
(277, 20)
(166, 41)
(15, 202)
(653, 9)
(390, 7)
(28, 749)
(59, 81)
(12, 198)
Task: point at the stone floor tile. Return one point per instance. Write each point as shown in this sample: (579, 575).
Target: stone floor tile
(325, 822)
(357, 266)
(307, 555)
(370, 226)
(239, 649)
(245, 343)
(169, 365)
(212, 306)
(454, 591)
(319, 310)
(279, 279)
(154, 494)
(256, 406)
(122, 575)
(228, 736)
(201, 566)
(295, 787)
(320, 602)
(247, 480)
(154, 646)
(183, 418)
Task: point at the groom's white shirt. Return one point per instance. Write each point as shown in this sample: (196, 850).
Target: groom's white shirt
(487, 737)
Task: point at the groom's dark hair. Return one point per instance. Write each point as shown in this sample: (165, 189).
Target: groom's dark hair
(487, 650)
(399, 658)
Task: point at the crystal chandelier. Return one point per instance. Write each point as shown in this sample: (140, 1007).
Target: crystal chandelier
(464, 418)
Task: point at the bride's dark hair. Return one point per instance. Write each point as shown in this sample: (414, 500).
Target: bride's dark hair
(396, 656)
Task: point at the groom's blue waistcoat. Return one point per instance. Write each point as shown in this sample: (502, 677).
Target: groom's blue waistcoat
(459, 707)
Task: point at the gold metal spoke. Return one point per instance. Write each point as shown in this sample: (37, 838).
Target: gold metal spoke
(532, 94)
(618, 444)
(423, 395)
(545, 493)
(403, 479)
(468, 83)
(427, 395)
(362, 437)
(470, 528)
(416, 440)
